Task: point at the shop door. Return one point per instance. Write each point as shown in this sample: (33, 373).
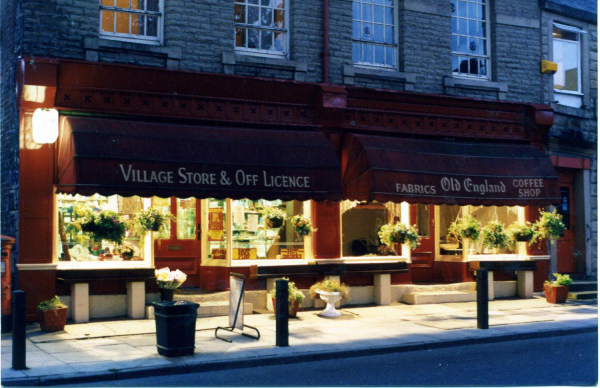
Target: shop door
(423, 257)
(179, 246)
(566, 243)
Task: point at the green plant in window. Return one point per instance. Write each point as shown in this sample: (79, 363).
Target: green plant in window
(400, 234)
(274, 216)
(152, 219)
(465, 228)
(549, 225)
(104, 225)
(495, 236)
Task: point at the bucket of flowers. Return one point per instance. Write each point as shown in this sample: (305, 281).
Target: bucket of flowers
(167, 281)
(302, 225)
(399, 233)
(274, 217)
(152, 219)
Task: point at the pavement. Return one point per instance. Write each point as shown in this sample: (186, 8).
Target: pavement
(125, 348)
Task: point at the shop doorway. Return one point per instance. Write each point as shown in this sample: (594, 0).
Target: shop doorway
(423, 257)
(570, 247)
(565, 245)
(178, 247)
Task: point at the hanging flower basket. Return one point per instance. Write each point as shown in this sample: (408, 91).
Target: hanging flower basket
(400, 234)
(302, 225)
(152, 219)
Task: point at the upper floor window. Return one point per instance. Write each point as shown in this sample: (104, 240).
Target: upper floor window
(373, 33)
(132, 20)
(261, 26)
(566, 49)
(470, 38)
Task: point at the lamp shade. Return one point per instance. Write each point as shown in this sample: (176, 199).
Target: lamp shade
(45, 126)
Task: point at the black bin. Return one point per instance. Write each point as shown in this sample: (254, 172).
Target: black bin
(175, 327)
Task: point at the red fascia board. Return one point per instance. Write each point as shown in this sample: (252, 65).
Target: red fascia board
(569, 162)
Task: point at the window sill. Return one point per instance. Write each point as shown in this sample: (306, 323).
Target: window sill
(453, 84)
(231, 60)
(84, 265)
(95, 46)
(364, 259)
(352, 71)
(268, 263)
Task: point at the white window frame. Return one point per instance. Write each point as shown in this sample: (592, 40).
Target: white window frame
(488, 46)
(568, 97)
(260, 52)
(393, 45)
(149, 40)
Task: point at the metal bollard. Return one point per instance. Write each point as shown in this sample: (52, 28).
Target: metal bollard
(482, 300)
(18, 330)
(281, 315)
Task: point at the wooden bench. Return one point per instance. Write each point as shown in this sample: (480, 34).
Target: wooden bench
(79, 279)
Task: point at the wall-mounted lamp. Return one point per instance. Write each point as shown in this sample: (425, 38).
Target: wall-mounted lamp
(45, 126)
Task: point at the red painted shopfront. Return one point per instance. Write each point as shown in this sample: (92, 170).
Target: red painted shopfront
(133, 131)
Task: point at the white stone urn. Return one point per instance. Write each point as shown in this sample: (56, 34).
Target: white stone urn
(330, 298)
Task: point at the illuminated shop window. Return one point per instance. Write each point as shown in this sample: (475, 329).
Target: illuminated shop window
(138, 21)
(217, 229)
(261, 26)
(360, 226)
(89, 229)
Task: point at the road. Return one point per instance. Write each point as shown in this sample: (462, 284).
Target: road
(566, 360)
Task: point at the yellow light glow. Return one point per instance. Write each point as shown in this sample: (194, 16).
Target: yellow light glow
(45, 126)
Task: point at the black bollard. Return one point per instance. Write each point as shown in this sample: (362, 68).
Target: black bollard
(482, 300)
(281, 315)
(18, 330)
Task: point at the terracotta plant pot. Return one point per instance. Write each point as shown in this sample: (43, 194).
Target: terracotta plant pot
(292, 310)
(52, 320)
(556, 294)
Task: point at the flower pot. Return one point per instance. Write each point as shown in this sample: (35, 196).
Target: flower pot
(166, 294)
(52, 320)
(274, 222)
(330, 298)
(175, 327)
(522, 238)
(155, 227)
(125, 256)
(293, 308)
(556, 294)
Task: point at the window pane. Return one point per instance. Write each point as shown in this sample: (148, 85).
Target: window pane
(390, 56)
(279, 4)
(472, 28)
(389, 15)
(108, 3)
(367, 53)
(367, 32)
(379, 55)
(217, 229)
(279, 19)
(389, 34)
(472, 11)
(163, 204)
(483, 67)
(454, 43)
(462, 9)
(122, 23)
(137, 24)
(279, 41)
(482, 47)
(153, 5)
(453, 7)
(151, 26)
(123, 4)
(454, 64)
(378, 33)
(240, 37)
(266, 17)
(473, 45)
(252, 1)
(481, 32)
(252, 38)
(462, 44)
(474, 66)
(186, 219)
(355, 30)
(566, 55)
(361, 224)
(367, 14)
(266, 38)
(448, 215)
(423, 220)
(356, 52)
(378, 14)
(462, 26)
(253, 15)
(453, 24)
(266, 3)
(356, 11)
(108, 21)
(239, 13)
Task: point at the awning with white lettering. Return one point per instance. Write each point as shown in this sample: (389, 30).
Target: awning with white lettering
(447, 172)
(128, 158)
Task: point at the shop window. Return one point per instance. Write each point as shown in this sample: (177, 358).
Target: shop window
(423, 220)
(78, 242)
(261, 26)
(566, 52)
(138, 21)
(163, 204)
(360, 226)
(470, 38)
(374, 33)
(254, 235)
(448, 215)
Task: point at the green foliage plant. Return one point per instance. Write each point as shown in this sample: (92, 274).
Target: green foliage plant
(330, 286)
(293, 292)
(520, 232)
(104, 225)
(549, 225)
(152, 219)
(560, 280)
(52, 304)
(465, 228)
(400, 234)
(495, 236)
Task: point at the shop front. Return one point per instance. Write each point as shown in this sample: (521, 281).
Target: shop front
(232, 166)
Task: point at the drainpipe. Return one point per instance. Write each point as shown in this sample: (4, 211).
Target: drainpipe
(325, 41)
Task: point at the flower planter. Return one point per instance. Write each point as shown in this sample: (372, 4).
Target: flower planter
(175, 327)
(330, 298)
(52, 320)
(556, 294)
(292, 310)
